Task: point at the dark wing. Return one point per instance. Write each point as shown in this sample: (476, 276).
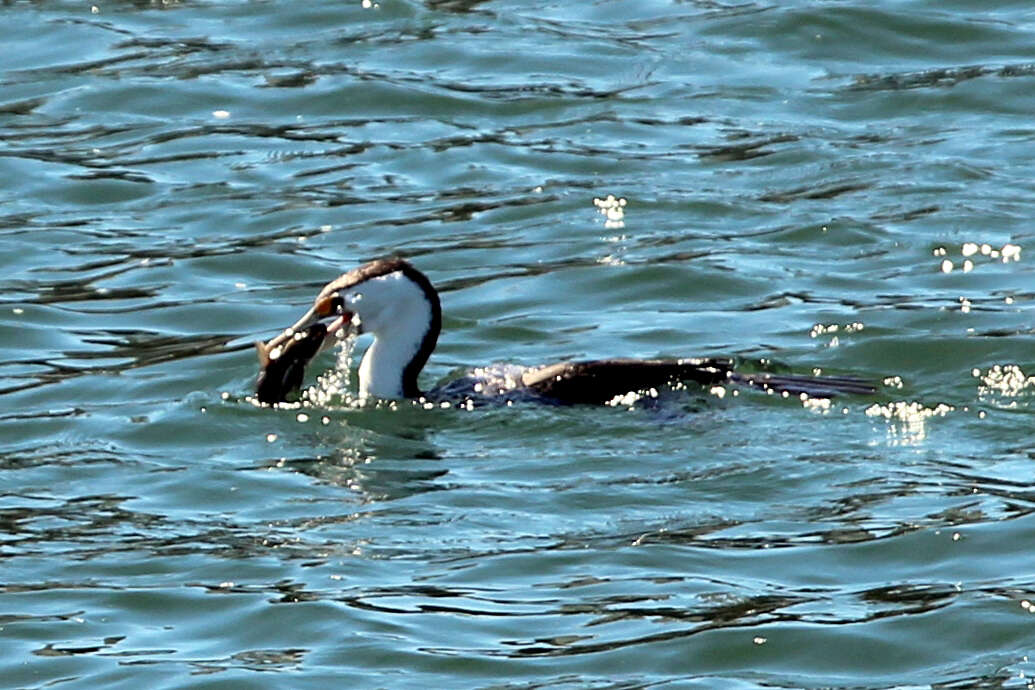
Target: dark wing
(598, 381)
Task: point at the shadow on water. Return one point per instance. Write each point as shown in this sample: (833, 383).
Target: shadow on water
(941, 77)
(367, 472)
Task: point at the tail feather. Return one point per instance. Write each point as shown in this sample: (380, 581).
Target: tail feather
(812, 386)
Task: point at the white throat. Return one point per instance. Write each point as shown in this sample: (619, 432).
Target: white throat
(397, 313)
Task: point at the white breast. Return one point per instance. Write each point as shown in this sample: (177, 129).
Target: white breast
(397, 313)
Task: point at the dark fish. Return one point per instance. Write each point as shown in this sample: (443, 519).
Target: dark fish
(284, 366)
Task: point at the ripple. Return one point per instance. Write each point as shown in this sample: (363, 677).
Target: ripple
(943, 77)
(181, 183)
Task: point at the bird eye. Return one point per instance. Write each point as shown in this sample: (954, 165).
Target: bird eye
(331, 305)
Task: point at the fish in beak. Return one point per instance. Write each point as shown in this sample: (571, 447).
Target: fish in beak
(282, 361)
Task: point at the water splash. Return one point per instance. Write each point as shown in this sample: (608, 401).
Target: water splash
(907, 419)
(333, 386)
(613, 209)
(1005, 385)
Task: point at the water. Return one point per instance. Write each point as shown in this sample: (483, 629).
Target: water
(843, 186)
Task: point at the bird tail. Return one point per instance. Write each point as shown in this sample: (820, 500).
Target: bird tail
(812, 386)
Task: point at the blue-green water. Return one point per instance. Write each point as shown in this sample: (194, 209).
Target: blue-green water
(837, 185)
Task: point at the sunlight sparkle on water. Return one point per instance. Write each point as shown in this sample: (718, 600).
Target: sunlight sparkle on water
(970, 251)
(892, 381)
(834, 328)
(631, 398)
(1004, 381)
(907, 420)
(613, 209)
(333, 384)
(819, 405)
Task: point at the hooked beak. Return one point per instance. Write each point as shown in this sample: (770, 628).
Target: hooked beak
(329, 307)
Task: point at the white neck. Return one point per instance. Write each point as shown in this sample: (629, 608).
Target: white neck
(381, 371)
(397, 313)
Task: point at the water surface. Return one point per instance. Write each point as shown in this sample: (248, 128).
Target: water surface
(816, 185)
